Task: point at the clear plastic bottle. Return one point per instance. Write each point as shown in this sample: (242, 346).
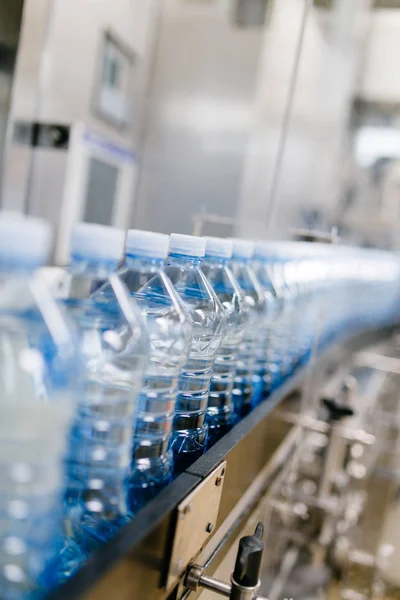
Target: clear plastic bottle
(301, 263)
(39, 384)
(268, 358)
(169, 330)
(283, 341)
(248, 387)
(280, 350)
(114, 345)
(308, 308)
(221, 414)
(190, 430)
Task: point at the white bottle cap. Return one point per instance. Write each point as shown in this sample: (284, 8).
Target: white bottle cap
(24, 240)
(219, 247)
(265, 250)
(146, 243)
(97, 242)
(242, 248)
(190, 245)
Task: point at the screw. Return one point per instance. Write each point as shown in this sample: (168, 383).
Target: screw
(187, 510)
(223, 472)
(218, 481)
(209, 527)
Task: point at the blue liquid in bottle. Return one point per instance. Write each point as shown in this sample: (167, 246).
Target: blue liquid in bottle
(169, 331)
(39, 382)
(114, 347)
(221, 414)
(268, 352)
(190, 430)
(282, 347)
(249, 386)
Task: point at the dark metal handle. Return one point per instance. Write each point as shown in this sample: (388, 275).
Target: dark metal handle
(249, 557)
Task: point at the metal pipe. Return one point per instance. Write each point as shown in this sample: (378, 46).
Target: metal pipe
(240, 592)
(286, 567)
(215, 585)
(379, 362)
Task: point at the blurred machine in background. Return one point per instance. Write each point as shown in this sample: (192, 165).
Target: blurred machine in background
(77, 111)
(265, 114)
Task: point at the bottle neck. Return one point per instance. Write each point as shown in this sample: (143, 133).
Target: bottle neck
(92, 267)
(265, 260)
(183, 259)
(217, 261)
(240, 260)
(140, 262)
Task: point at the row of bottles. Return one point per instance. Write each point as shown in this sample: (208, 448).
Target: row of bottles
(40, 375)
(153, 348)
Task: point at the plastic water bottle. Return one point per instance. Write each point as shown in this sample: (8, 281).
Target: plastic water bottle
(307, 310)
(268, 351)
(190, 430)
(39, 383)
(221, 414)
(248, 387)
(301, 263)
(169, 330)
(281, 350)
(283, 340)
(114, 346)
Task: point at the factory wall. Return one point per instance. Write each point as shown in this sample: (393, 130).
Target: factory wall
(308, 180)
(380, 81)
(201, 103)
(207, 108)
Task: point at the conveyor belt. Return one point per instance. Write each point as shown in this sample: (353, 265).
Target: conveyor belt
(134, 565)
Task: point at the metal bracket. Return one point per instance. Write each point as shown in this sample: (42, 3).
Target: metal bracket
(195, 522)
(42, 135)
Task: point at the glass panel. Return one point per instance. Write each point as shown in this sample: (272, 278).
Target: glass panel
(100, 192)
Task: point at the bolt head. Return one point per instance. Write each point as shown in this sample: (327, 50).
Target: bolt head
(187, 509)
(209, 527)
